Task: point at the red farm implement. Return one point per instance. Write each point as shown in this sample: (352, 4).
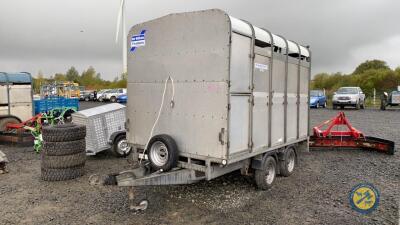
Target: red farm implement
(334, 136)
(17, 132)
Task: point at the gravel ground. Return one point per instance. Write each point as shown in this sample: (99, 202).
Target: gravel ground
(317, 193)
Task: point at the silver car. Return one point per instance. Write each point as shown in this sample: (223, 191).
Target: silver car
(349, 96)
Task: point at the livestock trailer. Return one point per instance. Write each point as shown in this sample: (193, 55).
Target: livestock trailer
(209, 94)
(15, 98)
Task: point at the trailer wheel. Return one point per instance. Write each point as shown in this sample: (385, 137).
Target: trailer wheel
(266, 176)
(121, 147)
(287, 166)
(162, 152)
(5, 121)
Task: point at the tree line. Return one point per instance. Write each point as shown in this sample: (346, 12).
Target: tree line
(369, 75)
(89, 78)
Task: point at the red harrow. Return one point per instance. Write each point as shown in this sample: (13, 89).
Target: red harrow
(348, 138)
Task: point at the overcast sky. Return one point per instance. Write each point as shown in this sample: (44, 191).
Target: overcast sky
(52, 35)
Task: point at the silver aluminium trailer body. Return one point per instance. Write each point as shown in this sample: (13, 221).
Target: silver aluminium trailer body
(224, 94)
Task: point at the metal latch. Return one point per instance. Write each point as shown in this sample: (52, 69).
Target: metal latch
(221, 136)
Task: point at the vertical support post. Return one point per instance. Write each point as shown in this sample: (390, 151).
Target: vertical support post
(252, 56)
(298, 93)
(8, 94)
(8, 97)
(271, 63)
(285, 90)
(32, 101)
(308, 101)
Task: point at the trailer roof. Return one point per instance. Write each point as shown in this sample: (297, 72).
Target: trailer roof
(99, 110)
(16, 78)
(245, 28)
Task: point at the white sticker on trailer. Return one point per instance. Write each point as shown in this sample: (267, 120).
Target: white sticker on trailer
(261, 67)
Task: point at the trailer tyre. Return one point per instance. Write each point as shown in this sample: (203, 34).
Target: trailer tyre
(62, 174)
(121, 147)
(266, 176)
(64, 161)
(6, 120)
(64, 132)
(288, 165)
(63, 148)
(162, 152)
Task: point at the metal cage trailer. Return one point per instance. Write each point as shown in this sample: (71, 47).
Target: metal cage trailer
(209, 94)
(105, 129)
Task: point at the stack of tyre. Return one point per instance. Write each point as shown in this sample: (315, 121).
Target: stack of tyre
(63, 153)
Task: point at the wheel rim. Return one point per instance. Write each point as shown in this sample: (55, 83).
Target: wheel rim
(291, 161)
(270, 176)
(123, 147)
(159, 153)
(317, 104)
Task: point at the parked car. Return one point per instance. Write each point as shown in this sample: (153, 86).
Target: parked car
(317, 99)
(113, 94)
(100, 94)
(122, 98)
(349, 96)
(390, 99)
(86, 96)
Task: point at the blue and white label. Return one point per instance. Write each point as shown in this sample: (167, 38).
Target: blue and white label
(138, 40)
